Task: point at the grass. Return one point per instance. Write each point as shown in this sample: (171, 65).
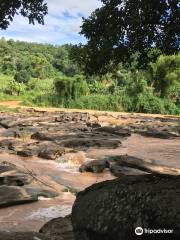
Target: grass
(7, 109)
(36, 93)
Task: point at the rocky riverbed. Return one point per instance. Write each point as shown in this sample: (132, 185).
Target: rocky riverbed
(43, 154)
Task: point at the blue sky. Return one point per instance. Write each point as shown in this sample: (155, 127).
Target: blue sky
(62, 24)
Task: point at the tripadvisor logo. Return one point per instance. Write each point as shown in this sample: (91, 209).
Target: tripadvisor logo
(140, 231)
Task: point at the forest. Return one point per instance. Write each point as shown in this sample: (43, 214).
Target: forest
(47, 75)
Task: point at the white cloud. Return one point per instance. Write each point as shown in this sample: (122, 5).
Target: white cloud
(62, 24)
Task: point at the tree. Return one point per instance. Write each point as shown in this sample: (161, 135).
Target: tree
(22, 76)
(121, 28)
(34, 10)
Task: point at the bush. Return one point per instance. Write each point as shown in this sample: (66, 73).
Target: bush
(14, 88)
(22, 77)
(148, 103)
(170, 107)
(164, 73)
(68, 88)
(97, 102)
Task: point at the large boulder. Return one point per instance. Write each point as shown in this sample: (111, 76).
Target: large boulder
(112, 210)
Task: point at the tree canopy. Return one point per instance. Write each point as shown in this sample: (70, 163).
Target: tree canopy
(34, 10)
(121, 28)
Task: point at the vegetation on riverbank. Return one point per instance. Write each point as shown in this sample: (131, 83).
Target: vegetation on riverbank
(47, 75)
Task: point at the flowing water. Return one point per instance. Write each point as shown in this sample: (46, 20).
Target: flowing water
(32, 216)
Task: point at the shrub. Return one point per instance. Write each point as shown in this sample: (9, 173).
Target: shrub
(148, 103)
(68, 88)
(164, 73)
(14, 88)
(97, 102)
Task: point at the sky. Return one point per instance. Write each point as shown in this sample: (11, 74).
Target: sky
(62, 24)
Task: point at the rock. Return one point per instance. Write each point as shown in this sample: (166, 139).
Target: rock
(15, 195)
(15, 178)
(115, 130)
(74, 157)
(72, 116)
(42, 136)
(9, 144)
(11, 195)
(58, 229)
(90, 142)
(93, 125)
(5, 167)
(51, 151)
(112, 210)
(155, 133)
(40, 192)
(26, 152)
(22, 236)
(96, 166)
(119, 171)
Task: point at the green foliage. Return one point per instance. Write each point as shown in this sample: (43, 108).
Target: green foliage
(15, 88)
(148, 103)
(70, 88)
(45, 76)
(39, 60)
(120, 29)
(34, 10)
(165, 72)
(96, 102)
(22, 76)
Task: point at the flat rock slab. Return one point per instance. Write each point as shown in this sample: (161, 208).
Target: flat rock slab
(15, 178)
(22, 236)
(119, 131)
(13, 195)
(155, 133)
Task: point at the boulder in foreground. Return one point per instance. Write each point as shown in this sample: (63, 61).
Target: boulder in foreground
(112, 210)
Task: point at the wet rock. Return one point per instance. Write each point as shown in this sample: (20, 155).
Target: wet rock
(39, 192)
(115, 130)
(51, 151)
(15, 195)
(22, 236)
(58, 229)
(73, 157)
(96, 166)
(46, 150)
(11, 195)
(112, 210)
